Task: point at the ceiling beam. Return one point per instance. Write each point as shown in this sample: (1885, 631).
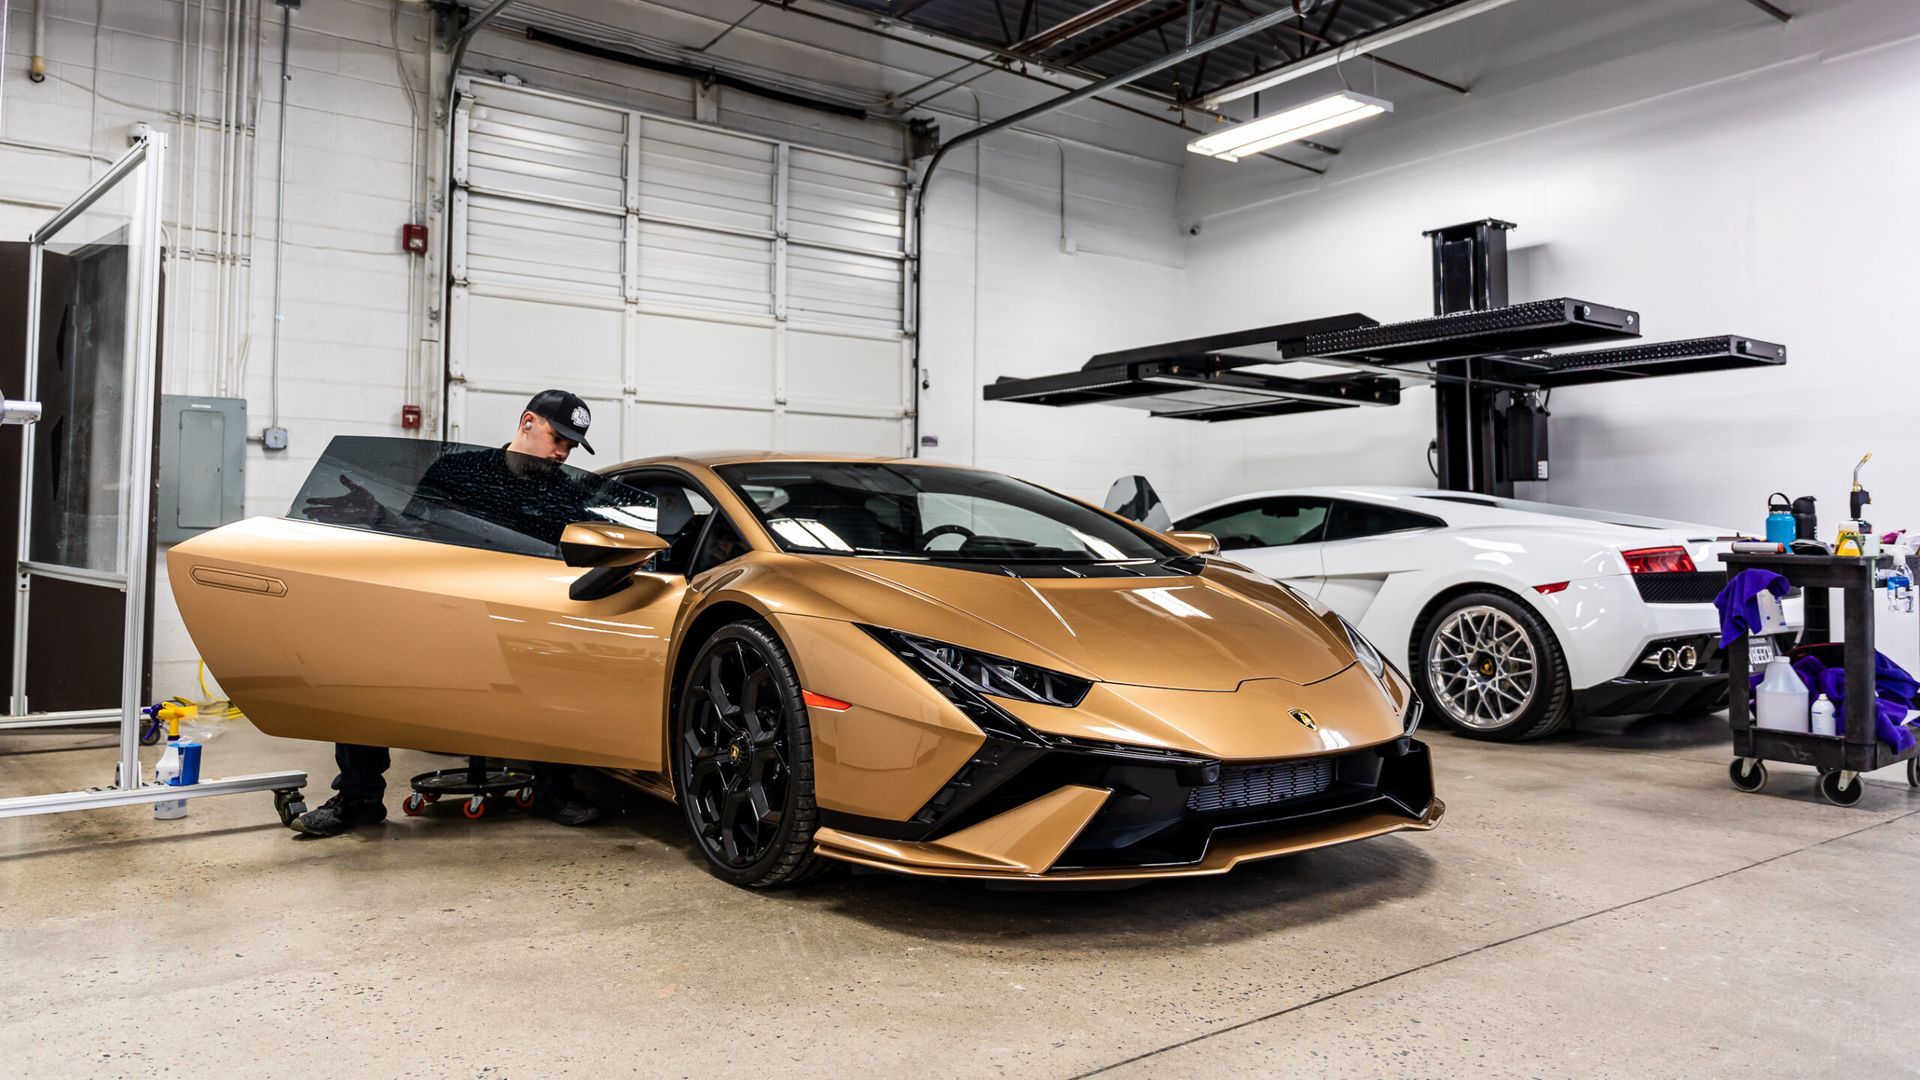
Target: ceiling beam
(1125, 34)
(1363, 45)
(1771, 10)
(1093, 18)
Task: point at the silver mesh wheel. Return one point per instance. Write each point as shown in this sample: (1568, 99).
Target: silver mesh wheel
(1481, 668)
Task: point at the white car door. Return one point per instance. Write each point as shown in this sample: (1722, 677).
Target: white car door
(1367, 542)
(1277, 535)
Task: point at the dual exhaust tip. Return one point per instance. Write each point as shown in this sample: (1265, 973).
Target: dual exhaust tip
(1670, 660)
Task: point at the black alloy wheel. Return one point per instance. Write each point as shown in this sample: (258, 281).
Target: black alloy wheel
(743, 760)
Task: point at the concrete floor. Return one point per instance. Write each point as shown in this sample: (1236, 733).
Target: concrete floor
(1604, 904)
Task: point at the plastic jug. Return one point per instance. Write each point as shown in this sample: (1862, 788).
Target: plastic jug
(1780, 702)
(1780, 520)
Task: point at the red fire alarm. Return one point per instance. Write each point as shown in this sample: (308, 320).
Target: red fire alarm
(413, 237)
(409, 416)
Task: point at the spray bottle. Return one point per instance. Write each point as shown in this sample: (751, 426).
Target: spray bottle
(168, 771)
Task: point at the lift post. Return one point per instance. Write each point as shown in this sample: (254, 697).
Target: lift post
(1469, 274)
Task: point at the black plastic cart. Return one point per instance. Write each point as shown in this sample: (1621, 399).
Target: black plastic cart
(1839, 758)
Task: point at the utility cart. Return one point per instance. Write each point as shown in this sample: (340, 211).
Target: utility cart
(1840, 759)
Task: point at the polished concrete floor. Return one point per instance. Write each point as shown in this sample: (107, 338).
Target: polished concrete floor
(1599, 905)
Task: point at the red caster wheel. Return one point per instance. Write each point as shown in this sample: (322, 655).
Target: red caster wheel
(415, 805)
(523, 798)
(432, 797)
(474, 808)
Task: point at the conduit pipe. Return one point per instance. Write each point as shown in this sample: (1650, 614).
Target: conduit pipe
(37, 68)
(280, 220)
(1352, 50)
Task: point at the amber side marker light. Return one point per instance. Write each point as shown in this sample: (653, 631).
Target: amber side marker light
(822, 701)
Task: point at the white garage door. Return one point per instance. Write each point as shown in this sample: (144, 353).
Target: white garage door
(700, 288)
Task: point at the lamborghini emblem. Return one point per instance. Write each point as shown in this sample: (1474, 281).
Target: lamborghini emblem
(1305, 718)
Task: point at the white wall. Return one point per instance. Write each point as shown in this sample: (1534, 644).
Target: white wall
(348, 333)
(1694, 161)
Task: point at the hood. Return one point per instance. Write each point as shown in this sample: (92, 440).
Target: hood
(1210, 631)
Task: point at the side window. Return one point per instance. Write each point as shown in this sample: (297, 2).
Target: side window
(1256, 523)
(678, 514)
(721, 544)
(1352, 520)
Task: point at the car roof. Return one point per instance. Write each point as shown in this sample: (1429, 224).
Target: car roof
(1466, 508)
(710, 458)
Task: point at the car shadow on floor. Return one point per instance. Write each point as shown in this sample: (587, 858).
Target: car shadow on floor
(1686, 731)
(1256, 899)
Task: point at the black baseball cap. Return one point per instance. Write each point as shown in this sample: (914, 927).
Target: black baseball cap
(566, 412)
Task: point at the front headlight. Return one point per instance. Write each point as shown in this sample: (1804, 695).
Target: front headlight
(950, 667)
(1364, 651)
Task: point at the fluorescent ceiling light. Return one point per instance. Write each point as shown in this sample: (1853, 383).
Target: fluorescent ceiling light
(1289, 125)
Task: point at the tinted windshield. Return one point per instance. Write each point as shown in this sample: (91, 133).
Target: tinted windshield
(908, 511)
(453, 493)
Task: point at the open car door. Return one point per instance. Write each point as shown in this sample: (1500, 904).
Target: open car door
(415, 596)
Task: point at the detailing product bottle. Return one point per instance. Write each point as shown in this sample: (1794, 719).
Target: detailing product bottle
(1781, 700)
(1822, 715)
(168, 772)
(1780, 524)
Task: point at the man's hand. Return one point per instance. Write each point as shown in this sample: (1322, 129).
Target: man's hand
(356, 507)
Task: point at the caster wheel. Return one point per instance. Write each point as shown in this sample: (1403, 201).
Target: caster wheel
(1831, 790)
(1913, 772)
(474, 808)
(289, 805)
(1748, 776)
(414, 806)
(432, 797)
(523, 798)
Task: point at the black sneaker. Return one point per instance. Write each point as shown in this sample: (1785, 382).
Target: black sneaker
(571, 810)
(338, 814)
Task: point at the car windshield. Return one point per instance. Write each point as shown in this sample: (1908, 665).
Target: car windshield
(893, 510)
(453, 493)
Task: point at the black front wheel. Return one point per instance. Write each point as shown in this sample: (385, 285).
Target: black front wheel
(743, 760)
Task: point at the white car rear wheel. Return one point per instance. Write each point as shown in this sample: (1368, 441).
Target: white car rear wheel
(1490, 668)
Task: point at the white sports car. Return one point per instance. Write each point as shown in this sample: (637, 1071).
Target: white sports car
(1513, 616)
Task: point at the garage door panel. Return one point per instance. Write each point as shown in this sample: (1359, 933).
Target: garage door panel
(640, 260)
(706, 176)
(657, 428)
(546, 147)
(689, 267)
(828, 370)
(842, 287)
(491, 416)
(515, 342)
(845, 434)
(847, 203)
(536, 246)
(705, 359)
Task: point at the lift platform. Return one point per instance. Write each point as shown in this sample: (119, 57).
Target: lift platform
(1489, 362)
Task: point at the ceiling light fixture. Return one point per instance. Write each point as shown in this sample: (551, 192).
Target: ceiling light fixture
(1289, 125)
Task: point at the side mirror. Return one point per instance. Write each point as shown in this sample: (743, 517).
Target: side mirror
(595, 543)
(1196, 543)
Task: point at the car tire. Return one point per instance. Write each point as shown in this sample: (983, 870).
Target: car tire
(741, 745)
(1467, 662)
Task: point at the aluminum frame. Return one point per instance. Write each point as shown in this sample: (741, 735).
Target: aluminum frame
(135, 545)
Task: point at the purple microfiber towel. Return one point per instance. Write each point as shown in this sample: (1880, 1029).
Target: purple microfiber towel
(1739, 611)
(1893, 686)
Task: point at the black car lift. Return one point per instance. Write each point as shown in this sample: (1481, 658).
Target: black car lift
(1488, 361)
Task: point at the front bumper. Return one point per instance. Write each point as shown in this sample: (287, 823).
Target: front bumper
(1112, 818)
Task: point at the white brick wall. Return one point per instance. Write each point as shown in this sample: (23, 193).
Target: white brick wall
(344, 343)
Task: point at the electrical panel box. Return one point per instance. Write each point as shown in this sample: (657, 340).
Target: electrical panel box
(203, 464)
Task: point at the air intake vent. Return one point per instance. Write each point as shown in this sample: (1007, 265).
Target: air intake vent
(1245, 786)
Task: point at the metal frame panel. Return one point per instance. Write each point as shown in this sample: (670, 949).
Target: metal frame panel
(134, 545)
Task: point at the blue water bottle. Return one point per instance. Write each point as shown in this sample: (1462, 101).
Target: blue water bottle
(1779, 519)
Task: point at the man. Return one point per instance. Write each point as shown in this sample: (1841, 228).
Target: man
(520, 489)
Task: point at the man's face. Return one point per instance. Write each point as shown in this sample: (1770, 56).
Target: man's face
(536, 438)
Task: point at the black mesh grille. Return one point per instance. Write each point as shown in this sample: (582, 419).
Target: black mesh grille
(1242, 786)
(1681, 587)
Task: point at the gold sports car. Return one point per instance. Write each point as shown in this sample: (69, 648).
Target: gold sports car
(824, 660)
